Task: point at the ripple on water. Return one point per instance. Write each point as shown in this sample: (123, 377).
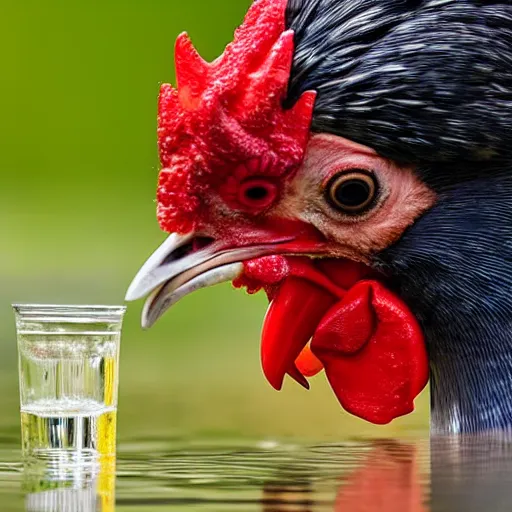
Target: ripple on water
(266, 476)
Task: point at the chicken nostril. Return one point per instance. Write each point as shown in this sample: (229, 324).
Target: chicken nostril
(178, 253)
(196, 244)
(200, 242)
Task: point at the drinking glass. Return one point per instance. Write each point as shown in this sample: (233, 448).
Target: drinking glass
(68, 377)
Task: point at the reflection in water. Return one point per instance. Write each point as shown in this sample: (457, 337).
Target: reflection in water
(352, 476)
(471, 474)
(272, 477)
(54, 486)
(466, 474)
(386, 480)
(463, 475)
(278, 497)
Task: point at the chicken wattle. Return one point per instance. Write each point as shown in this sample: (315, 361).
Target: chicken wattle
(363, 335)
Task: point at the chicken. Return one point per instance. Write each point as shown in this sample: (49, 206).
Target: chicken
(352, 159)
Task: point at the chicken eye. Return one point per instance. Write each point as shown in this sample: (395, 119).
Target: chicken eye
(257, 193)
(352, 191)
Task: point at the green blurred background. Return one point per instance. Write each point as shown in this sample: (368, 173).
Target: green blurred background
(78, 161)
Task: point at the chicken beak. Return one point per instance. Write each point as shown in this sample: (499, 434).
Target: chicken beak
(157, 269)
(179, 267)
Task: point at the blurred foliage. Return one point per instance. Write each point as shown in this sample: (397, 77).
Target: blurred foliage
(79, 165)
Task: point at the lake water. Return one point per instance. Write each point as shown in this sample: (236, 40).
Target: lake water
(170, 474)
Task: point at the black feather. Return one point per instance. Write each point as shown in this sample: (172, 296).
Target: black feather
(418, 81)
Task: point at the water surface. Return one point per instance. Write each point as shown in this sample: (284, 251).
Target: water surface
(265, 476)
(442, 475)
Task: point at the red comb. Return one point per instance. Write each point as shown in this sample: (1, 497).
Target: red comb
(228, 113)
